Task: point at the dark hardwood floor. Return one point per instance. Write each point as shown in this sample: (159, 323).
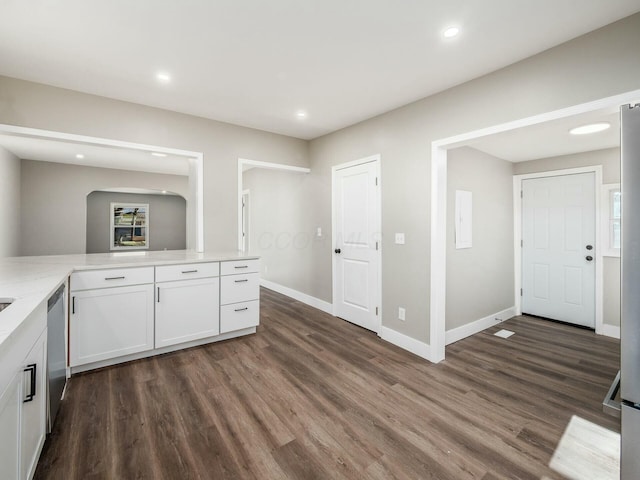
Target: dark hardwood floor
(311, 396)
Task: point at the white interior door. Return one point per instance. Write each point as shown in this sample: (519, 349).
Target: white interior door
(357, 226)
(558, 250)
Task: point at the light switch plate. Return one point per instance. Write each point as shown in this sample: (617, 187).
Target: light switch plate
(401, 313)
(400, 238)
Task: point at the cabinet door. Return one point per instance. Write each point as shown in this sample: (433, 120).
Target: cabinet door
(187, 310)
(110, 322)
(34, 407)
(10, 429)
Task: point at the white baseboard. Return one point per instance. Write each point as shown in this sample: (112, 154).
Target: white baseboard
(296, 295)
(610, 331)
(476, 326)
(412, 345)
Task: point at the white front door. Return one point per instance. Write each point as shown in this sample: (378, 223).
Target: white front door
(558, 249)
(357, 231)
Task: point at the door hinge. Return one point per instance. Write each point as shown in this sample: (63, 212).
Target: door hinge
(521, 243)
(376, 311)
(376, 181)
(376, 245)
(521, 194)
(520, 292)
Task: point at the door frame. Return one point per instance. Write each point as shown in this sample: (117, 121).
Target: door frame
(246, 211)
(195, 200)
(517, 235)
(375, 159)
(438, 220)
(245, 162)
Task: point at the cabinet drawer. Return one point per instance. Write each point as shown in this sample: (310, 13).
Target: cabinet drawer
(115, 277)
(239, 288)
(240, 266)
(188, 271)
(239, 316)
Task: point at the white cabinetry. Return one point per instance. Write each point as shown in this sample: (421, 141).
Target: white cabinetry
(111, 314)
(23, 396)
(239, 295)
(187, 303)
(10, 428)
(34, 407)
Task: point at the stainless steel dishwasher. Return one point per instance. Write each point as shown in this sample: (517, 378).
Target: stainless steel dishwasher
(56, 355)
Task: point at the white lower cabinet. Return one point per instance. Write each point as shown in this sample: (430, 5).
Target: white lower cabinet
(10, 429)
(141, 311)
(239, 295)
(23, 397)
(110, 322)
(187, 310)
(34, 407)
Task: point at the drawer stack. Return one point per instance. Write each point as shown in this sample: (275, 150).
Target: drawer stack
(239, 295)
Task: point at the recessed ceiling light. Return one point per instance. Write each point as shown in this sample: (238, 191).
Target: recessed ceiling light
(450, 32)
(80, 156)
(163, 77)
(591, 128)
(158, 154)
(301, 114)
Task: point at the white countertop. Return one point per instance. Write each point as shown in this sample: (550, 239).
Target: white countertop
(31, 280)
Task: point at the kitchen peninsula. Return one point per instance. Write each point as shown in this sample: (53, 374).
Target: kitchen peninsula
(119, 307)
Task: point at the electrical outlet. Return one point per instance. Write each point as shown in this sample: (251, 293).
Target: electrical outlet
(401, 313)
(400, 238)
(266, 269)
(319, 232)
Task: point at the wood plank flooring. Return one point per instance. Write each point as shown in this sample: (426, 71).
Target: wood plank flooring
(314, 397)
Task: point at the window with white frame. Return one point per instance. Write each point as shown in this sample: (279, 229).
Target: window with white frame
(611, 220)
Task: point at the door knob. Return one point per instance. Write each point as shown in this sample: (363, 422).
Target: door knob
(589, 247)
(589, 258)
(337, 250)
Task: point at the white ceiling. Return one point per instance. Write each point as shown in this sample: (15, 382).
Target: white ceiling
(33, 148)
(552, 139)
(256, 62)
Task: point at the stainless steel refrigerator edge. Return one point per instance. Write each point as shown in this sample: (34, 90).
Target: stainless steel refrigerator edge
(630, 308)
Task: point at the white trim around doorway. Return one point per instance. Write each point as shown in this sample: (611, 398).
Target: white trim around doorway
(439, 148)
(242, 164)
(195, 241)
(517, 236)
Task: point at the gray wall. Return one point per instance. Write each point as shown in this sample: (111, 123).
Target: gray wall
(9, 204)
(276, 217)
(600, 64)
(49, 188)
(481, 275)
(40, 106)
(610, 161)
(166, 219)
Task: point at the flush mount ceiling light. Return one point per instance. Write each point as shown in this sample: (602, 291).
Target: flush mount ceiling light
(158, 154)
(591, 128)
(163, 77)
(301, 114)
(80, 156)
(450, 32)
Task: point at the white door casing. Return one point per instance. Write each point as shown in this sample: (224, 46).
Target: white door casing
(356, 242)
(246, 207)
(559, 237)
